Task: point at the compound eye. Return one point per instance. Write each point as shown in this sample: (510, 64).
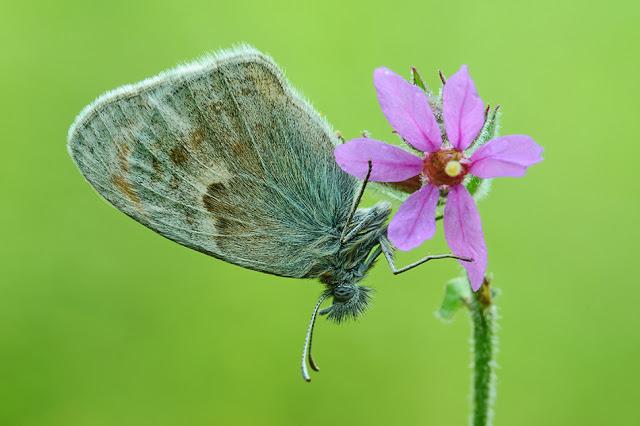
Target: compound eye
(343, 293)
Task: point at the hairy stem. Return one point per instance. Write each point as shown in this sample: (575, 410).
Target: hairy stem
(483, 317)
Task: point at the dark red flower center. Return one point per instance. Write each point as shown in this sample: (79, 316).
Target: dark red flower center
(445, 167)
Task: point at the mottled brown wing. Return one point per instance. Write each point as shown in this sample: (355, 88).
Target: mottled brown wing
(221, 156)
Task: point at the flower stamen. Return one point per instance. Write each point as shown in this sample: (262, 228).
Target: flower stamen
(453, 168)
(445, 167)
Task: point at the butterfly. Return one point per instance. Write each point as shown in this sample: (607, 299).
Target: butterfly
(223, 156)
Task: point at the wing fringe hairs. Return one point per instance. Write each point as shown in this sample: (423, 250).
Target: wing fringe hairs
(186, 69)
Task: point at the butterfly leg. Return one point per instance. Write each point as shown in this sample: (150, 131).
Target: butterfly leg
(388, 254)
(373, 256)
(354, 231)
(344, 237)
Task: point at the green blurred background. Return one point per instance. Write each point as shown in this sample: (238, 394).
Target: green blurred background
(103, 322)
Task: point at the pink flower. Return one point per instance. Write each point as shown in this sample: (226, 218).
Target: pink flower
(443, 166)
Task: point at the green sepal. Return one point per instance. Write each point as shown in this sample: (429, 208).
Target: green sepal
(416, 79)
(473, 184)
(489, 130)
(477, 187)
(457, 294)
(389, 192)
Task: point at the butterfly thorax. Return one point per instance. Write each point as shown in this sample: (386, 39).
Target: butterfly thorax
(343, 270)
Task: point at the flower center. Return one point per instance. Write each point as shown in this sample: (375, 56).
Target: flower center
(445, 167)
(453, 168)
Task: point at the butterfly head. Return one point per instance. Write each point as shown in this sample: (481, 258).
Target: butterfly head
(349, 301)
(350, 264)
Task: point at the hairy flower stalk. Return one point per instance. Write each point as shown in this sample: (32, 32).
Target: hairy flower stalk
(484, 344)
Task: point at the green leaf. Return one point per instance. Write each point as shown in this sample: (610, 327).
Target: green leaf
(417, 79)
(473, 184)
(489, 130)
(457, 294)
(477, 187)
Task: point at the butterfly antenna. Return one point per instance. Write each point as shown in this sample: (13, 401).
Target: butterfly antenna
(306, 353)
(356, 203)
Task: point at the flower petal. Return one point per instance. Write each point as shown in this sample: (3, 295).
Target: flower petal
(415, 221)
(505, 156)
(463, 230)
(406, 108)
(389, 163)
(462, 108)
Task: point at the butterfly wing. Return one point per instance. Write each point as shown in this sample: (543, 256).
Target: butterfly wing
(222, 156)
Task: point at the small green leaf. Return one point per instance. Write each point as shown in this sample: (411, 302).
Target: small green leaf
(457, 293)
(473, 184)
(390, 191)
(483, 189)
(477, 187)
(489, 130)
(417, 79)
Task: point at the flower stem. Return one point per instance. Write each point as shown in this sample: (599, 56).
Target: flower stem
(483, 317)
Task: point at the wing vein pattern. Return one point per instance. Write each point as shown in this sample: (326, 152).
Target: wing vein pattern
(223, 156)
